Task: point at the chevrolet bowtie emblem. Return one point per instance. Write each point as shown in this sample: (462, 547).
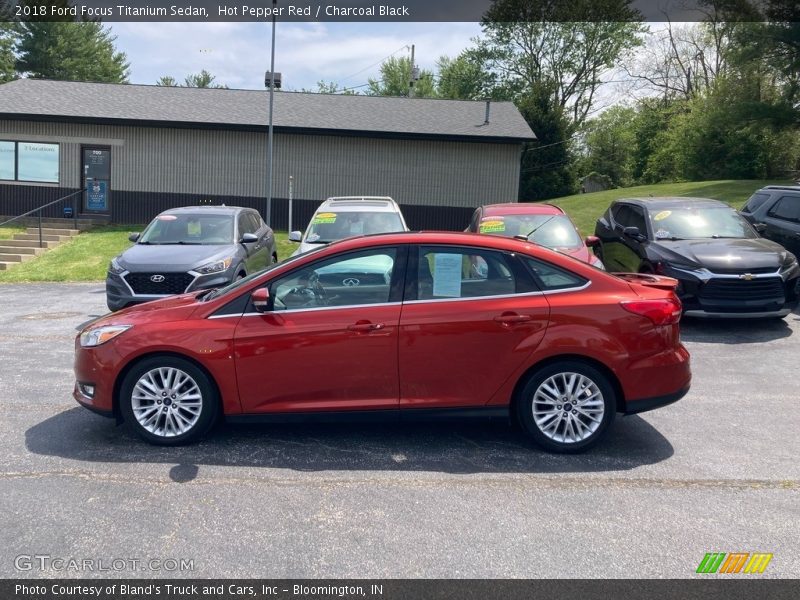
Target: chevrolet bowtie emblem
(747, 276)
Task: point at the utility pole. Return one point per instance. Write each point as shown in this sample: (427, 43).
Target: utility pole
(412, 79)
(271, 102)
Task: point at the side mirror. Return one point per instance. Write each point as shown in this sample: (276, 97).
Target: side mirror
(260, 299)
(249, 238)
(592, 241)
(295, 236)
(760, 227)
(634, 234)
(134, 237)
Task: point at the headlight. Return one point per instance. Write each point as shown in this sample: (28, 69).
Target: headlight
(789, 263)
(114, 268)
(100, 335)
(682, 266)
(215, 267)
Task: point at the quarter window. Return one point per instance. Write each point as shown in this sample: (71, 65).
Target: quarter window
(550, 278)
(787, 208)
(446, 273)
(358, 278)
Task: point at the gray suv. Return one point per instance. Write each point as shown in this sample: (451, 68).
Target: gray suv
(775, 211)
(188, 249)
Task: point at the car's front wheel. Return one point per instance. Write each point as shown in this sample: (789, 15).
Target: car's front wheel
(567, 407)
(168, 400)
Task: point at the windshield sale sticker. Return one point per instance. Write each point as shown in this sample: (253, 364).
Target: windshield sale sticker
(662, 215)
(492, 225)
(323, 218)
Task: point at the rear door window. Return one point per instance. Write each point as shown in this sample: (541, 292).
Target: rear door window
(786, 208)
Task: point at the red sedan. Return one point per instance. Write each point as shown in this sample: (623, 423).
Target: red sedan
(395, 326)
(543, 224)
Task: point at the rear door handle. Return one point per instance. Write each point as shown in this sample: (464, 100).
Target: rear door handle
(360, 326)
(510, 318)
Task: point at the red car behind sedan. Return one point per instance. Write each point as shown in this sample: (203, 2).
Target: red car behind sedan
(395, 326)
(543, 224)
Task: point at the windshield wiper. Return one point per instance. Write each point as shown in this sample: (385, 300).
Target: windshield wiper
(181, 243)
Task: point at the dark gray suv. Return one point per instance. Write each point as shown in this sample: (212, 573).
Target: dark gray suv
(778, 208)
(187, 249)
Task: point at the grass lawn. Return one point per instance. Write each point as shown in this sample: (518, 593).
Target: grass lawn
(8, 231)
(86, 257)
(585, 209)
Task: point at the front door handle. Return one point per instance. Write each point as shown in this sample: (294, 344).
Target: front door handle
(511, 318)
(365, 326)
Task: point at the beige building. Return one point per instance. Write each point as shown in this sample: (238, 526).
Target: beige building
(139, 150)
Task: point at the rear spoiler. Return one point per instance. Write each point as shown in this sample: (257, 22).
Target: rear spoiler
(646, 279)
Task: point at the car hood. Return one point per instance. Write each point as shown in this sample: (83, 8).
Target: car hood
(582, 253)
(757, 253)
(172, 257)
(172, 308)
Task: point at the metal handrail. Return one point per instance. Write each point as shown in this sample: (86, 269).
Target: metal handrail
(41, 208)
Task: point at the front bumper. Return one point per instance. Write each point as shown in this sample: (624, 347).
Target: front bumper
(120, 293)
(736, 296)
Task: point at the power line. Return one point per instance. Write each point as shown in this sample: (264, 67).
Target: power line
(375, 63)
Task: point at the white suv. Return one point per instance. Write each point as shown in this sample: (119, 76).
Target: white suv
(347, 216)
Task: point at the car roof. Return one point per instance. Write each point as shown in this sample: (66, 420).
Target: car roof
(521, 208)
(661, 202)
(359, 203)
(205, 208)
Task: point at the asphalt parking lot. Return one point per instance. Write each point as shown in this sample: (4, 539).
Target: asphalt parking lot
(716, 472)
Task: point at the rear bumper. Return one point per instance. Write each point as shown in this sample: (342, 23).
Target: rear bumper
(633, 407)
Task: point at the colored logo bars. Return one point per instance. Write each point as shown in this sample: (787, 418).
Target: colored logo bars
(736, 562)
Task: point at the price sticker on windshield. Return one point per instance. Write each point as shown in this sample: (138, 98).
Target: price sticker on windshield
(324, 218)
(492, 225)
(662, 215)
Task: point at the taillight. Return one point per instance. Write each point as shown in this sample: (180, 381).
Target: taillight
(666, 311)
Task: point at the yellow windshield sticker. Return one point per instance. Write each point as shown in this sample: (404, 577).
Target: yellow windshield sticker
(662, 215)
(492, 226)
(193, 228)
(323, 218)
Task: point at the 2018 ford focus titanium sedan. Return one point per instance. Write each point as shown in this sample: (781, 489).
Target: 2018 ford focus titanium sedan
(457, 323)
(724, 267)
(187, 249)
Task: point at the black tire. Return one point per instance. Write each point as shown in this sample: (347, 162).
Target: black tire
(581, 410)
(170, 427)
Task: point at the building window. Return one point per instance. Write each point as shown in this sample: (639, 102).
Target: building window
(7, 160)
(29, 161)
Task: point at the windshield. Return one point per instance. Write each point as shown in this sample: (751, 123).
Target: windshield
(328, 227)
(686, 223)
(553, 231)
(189, 228)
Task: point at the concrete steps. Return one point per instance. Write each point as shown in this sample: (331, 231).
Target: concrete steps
(51, 222)
(26, 246)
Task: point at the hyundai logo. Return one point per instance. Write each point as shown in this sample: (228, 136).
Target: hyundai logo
(157, 278)
(350, 282)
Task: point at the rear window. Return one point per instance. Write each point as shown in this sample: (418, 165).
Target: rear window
(755, 202)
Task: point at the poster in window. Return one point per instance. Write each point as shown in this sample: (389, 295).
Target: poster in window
(7, 151)
(37, 162)
(97, 195)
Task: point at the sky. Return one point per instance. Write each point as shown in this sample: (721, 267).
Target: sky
(238, 53)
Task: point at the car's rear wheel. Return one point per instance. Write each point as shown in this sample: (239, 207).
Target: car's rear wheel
(567, 406)
(168, 400)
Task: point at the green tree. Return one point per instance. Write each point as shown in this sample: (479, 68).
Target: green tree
(546, 167)
(395, 78)
(167, 81)
(609, 146)
(7, 59)
(69, 50)
(203, 79)
(465, 77)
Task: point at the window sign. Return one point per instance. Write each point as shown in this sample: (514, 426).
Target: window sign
(447, 275)
(37, 162)
(97, 195)
(7, 160)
